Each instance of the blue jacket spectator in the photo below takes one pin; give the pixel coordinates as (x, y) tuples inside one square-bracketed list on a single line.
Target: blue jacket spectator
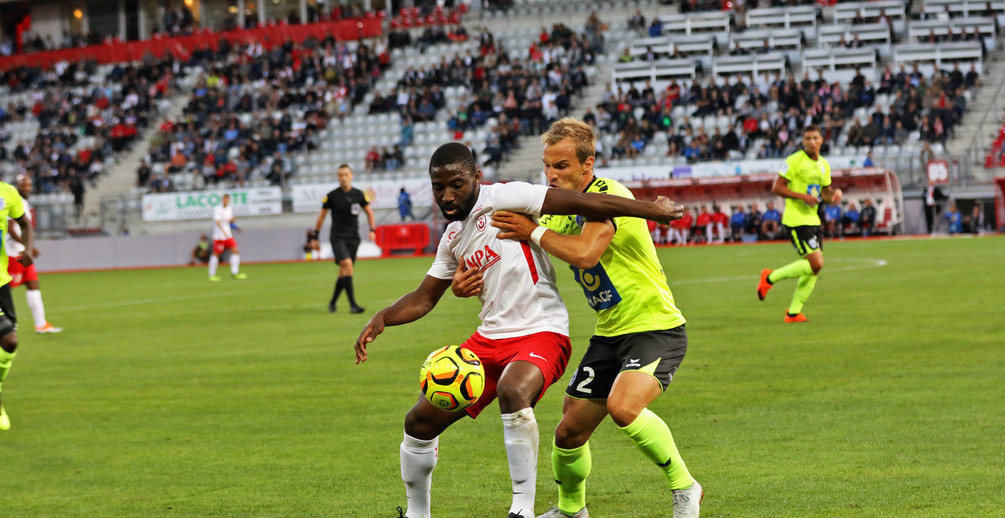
[(955, 219), (831, 219), (771, 222), (656, 28), (849, 222), (737, 222)]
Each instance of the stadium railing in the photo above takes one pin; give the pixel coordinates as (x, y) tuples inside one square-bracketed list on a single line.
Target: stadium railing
[(802, 17), (875, 35), (183, 46), (941, 55), (919, 30)]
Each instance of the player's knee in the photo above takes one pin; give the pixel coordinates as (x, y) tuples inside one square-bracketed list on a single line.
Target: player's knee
[(8, 341), (514, 396), (622, 412), (419, 426), (568, 435)]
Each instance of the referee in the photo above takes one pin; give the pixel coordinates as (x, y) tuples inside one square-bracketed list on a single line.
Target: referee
[(345, 204)]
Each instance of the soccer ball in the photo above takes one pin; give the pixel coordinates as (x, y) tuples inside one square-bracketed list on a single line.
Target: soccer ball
[(452, 378)]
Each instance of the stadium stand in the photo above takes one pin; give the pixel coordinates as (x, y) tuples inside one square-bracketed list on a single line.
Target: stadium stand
[(707, 86)]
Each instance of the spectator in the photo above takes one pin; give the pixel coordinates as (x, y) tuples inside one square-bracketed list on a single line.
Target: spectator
[(679, 229), (849, 221), (637, 22), (974, 223), (954, 219), (405, 205), (395, 159), (737, 223), (831, 219), (867, 218), (771, 222), (373, 160), (656, 28), (933, 197), (719, 223), (753, 220), (703, 226)]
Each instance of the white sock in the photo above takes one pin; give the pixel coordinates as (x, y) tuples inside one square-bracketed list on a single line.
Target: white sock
[(213, 262), (235, 264), (521, 436), (35, 305), (418, 458)]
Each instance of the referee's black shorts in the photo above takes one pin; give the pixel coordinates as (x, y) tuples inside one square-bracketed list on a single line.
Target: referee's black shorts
[(344, 247)]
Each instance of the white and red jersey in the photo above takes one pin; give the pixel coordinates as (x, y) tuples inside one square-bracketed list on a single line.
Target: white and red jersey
[(13, 247), (520, 295), (222, 217)]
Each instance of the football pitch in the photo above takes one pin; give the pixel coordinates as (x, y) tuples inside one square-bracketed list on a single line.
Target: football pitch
[(167, 395)]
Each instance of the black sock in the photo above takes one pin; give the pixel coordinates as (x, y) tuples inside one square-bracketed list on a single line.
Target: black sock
[(349, 292), (338, 289)]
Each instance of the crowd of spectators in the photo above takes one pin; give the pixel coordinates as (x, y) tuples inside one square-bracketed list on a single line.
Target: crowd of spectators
[(700, 225), (82, 126), (253, 110), (772, 110)]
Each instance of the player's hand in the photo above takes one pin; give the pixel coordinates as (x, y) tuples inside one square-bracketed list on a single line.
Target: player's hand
[(35, 253), (836, 196), (513, 226), (467, 282), (25, 259), (811, 200), (669, 209), (373, 328), (373, 236)]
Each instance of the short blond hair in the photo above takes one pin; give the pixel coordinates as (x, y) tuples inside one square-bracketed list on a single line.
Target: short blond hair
[(580, 132)]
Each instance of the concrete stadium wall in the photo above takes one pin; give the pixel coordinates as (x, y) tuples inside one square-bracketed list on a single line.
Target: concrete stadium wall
[(101, 253)]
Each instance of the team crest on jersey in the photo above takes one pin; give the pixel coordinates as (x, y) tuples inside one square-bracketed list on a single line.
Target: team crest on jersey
[(598, 288), (355, 209), (481, 223)]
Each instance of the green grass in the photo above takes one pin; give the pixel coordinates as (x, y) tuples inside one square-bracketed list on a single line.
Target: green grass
[(171, 396)]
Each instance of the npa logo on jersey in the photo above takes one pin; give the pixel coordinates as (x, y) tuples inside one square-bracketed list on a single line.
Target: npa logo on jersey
[(482, 259), (598, 288)]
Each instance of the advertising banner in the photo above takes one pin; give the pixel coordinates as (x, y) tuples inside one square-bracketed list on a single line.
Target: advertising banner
[(262, 201), (383, 194)]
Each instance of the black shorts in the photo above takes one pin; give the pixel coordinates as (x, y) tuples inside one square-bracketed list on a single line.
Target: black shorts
[(344, 247), (8, 318), (657, 353), (806, 238)]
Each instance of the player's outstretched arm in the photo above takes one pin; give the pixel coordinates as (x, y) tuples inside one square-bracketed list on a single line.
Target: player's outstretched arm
[(602, 206), (582, 251), (409, 308)]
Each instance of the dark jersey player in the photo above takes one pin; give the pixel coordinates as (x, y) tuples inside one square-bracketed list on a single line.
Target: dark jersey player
[(345, 203)]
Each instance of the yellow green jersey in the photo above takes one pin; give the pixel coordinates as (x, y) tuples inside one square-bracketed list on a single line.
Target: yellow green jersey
[(808, 176), (11, 206), (627, 288)]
